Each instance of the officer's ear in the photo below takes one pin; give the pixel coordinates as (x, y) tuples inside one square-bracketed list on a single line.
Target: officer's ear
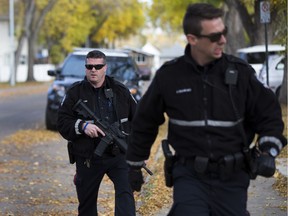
[(192, 39)]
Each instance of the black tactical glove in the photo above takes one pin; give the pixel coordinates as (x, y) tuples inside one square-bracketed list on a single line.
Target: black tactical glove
[(135, 178), (265, 165)]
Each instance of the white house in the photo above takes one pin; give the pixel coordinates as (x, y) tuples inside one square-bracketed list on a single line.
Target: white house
[(40, 70), (4, 49)]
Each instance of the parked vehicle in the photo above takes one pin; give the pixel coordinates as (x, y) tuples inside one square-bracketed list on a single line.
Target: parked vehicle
[(256, 55), (275, 73), (120, 66)]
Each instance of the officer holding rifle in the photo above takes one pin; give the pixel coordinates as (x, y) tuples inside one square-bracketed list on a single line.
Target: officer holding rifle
[(112, 103)]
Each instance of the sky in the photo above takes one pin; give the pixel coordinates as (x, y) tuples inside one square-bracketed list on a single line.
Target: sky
[(148, 1)]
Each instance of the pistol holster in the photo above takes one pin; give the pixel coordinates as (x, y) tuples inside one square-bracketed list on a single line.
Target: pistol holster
[(70, 154)]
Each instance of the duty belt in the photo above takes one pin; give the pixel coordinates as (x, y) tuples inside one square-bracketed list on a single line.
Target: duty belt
[(223, 167)]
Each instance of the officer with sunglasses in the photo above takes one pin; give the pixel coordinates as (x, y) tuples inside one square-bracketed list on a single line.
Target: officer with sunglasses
[(215, 105), (111, 102)]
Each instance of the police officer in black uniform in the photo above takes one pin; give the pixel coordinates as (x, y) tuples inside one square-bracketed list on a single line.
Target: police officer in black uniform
[(215, 105), (112, 102)]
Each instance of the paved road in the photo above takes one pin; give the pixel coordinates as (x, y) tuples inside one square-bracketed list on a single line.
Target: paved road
[(22, 113), (25, 109)]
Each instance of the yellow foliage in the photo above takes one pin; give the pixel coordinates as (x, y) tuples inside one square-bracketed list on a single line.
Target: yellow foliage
[(25, 138)]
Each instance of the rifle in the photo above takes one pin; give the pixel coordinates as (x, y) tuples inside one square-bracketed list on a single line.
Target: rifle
[(113, 135)]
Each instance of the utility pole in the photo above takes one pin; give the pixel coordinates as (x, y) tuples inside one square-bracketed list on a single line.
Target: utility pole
[(12, 55)]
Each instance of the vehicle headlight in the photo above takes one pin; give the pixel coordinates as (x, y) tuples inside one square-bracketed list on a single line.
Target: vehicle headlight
[(60, 90), (133, 91)]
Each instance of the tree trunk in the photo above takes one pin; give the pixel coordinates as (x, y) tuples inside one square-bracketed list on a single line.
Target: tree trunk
[(19, 49), (235, 37), (31, 9), (252, 25), (31, 54), (34, 29)]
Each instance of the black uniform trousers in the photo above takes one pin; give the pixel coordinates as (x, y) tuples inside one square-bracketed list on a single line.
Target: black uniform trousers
[(208, 195), (88, 181)]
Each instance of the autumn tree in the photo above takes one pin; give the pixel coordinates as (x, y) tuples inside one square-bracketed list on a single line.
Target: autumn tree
[(93, 23), (60, 25), (239, 14), (122, 21), (66, 26)]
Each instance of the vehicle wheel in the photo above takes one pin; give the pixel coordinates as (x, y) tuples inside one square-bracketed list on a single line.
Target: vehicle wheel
[(48, 123)]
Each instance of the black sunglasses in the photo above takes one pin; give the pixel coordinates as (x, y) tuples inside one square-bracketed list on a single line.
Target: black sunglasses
[(96, 66), (214, 37)]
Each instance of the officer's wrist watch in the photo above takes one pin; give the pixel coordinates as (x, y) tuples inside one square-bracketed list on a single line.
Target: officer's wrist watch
[(273, 152)]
